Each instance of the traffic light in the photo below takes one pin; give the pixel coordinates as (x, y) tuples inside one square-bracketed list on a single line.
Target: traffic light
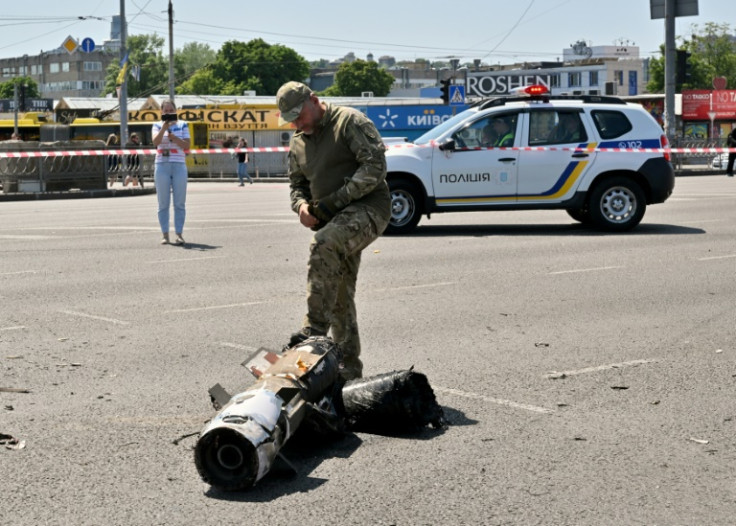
[(445, 90), (682, 68)]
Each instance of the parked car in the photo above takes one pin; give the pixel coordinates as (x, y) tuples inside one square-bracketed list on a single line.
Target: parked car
[(535, 151)]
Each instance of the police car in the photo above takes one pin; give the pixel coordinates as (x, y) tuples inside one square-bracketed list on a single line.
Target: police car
[(533, 150)]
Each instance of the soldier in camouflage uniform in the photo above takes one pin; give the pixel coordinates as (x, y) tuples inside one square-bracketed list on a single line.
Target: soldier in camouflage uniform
[(337, 175)]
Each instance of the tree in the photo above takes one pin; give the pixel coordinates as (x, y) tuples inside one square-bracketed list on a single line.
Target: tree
[(257, 66), (192, 57), (713, 54), (353, 78), (6, 88), (203, 82), (145, 52)]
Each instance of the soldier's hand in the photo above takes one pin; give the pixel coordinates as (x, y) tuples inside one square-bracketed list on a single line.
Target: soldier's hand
[(306, 218)]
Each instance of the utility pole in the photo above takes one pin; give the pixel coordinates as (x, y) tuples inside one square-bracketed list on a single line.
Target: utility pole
[(669, 10), (123, 102), (669, 69), (171, 51), (15, 104)]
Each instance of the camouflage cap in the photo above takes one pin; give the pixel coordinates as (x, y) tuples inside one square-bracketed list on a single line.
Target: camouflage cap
[(290, 98)]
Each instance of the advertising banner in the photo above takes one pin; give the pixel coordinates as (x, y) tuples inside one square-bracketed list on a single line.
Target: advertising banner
[(697, 104)]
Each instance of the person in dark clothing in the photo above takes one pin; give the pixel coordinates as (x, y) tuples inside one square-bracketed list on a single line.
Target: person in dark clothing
[(731, 142)]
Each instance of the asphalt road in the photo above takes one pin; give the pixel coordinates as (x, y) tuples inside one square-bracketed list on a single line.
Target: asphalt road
[(588, 378)]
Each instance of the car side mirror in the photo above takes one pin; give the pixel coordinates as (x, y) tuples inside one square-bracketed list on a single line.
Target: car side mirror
[(448, 145)]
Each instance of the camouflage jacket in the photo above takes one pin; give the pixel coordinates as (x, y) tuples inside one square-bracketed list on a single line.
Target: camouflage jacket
[(343, 160)]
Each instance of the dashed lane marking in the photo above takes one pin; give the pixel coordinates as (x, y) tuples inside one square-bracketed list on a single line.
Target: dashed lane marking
[(594, 269), (239, 347), (92, 317), (215, 307), (562, 374), (18, 272), (710, 258), (16, 328), (499, 401), (176, 260), (426, 285)]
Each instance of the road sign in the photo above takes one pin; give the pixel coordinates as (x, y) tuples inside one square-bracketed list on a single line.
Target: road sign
[(682, 8), (70, 44), (88, 45), (457, 95)]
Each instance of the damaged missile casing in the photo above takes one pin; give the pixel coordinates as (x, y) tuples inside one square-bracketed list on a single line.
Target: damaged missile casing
[(240, 444)]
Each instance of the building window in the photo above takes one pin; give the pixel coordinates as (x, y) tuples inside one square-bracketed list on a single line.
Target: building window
[(36, 69), (574, 79), (93, 66), (65, 66), (6, 72), (554, 81), (97, 85), (619, 77), (54, 67), (593, 78)]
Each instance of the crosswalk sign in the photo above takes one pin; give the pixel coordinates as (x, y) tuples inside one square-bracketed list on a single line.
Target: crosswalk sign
[(457, 95)]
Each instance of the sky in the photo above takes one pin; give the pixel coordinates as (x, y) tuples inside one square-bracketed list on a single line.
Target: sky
[(496, 32)]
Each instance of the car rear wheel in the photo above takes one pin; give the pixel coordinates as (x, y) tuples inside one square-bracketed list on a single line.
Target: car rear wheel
[(617, 204), (405, 207)]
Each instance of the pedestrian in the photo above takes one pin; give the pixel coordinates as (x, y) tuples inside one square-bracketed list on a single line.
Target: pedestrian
[(243, 162), (133, 162), (731, 142), (112, 159), (171, 139), (337, 177)]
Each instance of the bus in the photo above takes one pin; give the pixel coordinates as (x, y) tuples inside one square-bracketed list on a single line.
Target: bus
[(29, 127)]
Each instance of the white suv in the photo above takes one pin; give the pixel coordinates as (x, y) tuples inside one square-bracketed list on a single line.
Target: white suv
[(535, 151)]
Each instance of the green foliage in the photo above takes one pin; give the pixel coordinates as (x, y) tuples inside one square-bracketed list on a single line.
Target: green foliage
[(256, 66), (192, 57), (6, 88), (145, 51), (353, 78), (203, 82), (713, 54)]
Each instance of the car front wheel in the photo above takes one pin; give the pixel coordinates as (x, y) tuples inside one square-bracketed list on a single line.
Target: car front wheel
[(617, 204), (405, 208)]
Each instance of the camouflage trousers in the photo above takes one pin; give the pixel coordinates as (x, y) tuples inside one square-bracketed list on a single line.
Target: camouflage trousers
[(334, 260)]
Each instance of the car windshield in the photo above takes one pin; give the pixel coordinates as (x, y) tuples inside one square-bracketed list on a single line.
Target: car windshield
[(440, 129)]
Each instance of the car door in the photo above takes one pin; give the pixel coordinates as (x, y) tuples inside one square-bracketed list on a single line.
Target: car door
[(553, 169), (474, 173)]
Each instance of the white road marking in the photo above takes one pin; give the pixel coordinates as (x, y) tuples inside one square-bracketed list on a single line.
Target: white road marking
[(563, 374), (18, 272), (239, 347), (8, 236), (101, 318), (717, 257), (17, 327), (185, 259), (583, 270), (426, 285), (264, 220), (498, 401), (215, 307)]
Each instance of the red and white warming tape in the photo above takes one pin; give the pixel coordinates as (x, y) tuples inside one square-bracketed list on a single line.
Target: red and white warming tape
[(284, 149)]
